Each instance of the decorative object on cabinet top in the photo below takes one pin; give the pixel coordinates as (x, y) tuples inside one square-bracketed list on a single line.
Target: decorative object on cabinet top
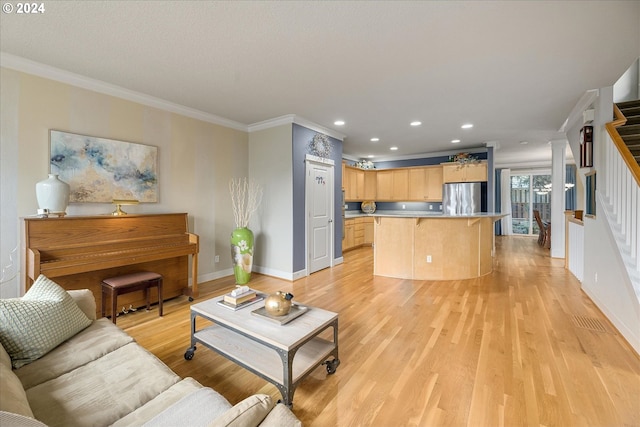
[(364, 164), (368, 206), (464, 158)]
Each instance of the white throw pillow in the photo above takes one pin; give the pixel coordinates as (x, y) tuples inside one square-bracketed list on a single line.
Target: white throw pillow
[(38, 322)]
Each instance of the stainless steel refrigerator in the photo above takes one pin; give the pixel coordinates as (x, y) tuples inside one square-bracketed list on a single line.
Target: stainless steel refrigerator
[(461, 198)]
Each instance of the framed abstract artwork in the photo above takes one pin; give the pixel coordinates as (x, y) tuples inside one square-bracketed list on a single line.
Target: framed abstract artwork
[(99, 170)]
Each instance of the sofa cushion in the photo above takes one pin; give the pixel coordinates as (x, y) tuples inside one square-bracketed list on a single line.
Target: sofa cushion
[(161, 402), (4, 357), (33, 325), (199, 408), (102, 391), (281, 416), (250, 412), (86, 302), (100, 338), (13, 398), (15, 420)]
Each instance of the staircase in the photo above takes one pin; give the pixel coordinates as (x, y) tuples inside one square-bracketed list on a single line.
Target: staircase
[(619, 197), (630, 131)]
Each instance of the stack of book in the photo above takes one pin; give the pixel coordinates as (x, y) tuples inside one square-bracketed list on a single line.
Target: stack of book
[(240, 297)]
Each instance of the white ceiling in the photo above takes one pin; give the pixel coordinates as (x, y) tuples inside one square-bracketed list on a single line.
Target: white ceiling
[(515, 69)]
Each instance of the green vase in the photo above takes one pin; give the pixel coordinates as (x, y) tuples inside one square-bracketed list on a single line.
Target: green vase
[(242, 254)]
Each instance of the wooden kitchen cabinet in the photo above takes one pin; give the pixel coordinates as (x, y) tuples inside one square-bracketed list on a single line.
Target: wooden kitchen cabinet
[(349, 229), (368, 231), (455, 172), (370, 187), (384, 182), (400, 185), (425, 184), (358, 232), (393, 185), (434, 183), (359, 184)]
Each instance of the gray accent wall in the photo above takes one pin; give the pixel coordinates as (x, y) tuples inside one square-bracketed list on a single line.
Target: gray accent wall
[(300, 148)]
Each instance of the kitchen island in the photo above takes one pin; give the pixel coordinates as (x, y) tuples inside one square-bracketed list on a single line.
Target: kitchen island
[(433, 246)]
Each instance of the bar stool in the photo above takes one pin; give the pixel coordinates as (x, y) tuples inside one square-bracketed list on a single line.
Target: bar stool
[(119, 285)]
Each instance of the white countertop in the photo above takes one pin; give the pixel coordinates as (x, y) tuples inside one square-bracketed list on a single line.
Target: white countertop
[(420, 214)]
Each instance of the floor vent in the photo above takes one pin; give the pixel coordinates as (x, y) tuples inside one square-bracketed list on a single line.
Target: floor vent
[(590, 323)]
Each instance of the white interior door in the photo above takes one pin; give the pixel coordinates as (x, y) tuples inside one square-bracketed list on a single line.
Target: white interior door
[(319, 198)]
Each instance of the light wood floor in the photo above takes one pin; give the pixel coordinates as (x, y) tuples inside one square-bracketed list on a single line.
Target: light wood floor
[(523, 346)]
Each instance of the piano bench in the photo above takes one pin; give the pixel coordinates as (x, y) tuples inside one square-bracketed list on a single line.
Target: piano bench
[(124, 284)]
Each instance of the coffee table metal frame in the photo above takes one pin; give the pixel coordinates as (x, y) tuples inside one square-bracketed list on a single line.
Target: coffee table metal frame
[(256, 344)]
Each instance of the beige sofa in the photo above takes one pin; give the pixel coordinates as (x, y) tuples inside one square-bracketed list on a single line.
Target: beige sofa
[(101, 377)]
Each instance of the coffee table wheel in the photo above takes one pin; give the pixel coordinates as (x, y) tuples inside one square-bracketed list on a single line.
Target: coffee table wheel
[(188, 355), (190, 299), (332, 365)]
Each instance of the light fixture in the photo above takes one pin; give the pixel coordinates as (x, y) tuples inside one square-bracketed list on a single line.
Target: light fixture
[(122, 202), (455, 141), (375, 139), (467, 126), (339, 123), (370, 156), (393, 148), (415, 123)]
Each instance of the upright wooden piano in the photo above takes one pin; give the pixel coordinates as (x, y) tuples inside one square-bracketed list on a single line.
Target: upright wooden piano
[(77, 252)]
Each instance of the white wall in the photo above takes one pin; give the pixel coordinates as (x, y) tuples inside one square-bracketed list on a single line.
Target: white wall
[(270, 164), (196, 159), (605, 279)]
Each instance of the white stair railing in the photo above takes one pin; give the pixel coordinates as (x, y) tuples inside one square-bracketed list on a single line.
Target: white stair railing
[(620, 202)]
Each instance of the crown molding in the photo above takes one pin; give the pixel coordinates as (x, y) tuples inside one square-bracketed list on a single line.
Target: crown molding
[(583, 103), (28, 66), (290, 119)]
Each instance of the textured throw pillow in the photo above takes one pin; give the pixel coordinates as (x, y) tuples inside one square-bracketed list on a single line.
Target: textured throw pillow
[(250, 412), (38, 322)]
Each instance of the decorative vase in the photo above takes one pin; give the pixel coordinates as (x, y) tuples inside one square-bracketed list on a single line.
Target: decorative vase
[(242, 254), (53, 194), (278, 304)]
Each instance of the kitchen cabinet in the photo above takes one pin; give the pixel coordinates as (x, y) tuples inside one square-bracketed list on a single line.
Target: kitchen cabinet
[(370, 187), (349, 229), (472, 172), (393, 185), (434, 183), (425, 184), (384, 182), (368, 231), (358, 232), (359, 184)]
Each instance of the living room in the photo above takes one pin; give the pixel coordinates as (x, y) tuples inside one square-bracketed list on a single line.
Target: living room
[(199, 152)]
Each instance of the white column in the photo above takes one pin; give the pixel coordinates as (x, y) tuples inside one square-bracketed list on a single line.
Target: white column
[(558, 162)]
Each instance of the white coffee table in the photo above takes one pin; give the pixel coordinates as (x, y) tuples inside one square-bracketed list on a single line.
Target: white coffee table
[(281, 354)]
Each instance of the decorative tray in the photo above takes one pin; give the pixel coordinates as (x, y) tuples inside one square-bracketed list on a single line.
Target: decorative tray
[(296, 311)]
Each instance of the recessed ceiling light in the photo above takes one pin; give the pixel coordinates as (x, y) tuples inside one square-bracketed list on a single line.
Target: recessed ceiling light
[(393, 148), (375, 139), (415, 123), (466, 126), (455, 141), (370, 156), (339, 123), (524, 142)]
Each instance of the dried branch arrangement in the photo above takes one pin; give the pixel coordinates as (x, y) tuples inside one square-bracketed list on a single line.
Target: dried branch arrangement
[(246, 196)]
